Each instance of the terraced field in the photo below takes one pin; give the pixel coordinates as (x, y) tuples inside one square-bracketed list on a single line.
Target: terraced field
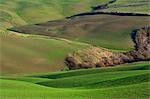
[(126, 81)]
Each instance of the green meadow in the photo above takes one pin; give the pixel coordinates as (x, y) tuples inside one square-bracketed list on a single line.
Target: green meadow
[(20, 12), (121, 82), (32, 66)]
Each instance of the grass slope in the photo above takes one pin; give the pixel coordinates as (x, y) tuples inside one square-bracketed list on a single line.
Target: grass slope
[(125, 67), (39, 54), (132, 6), (109, 31), (20, 12), (131, 83), (34, 54), (29, 54), (81, 81)]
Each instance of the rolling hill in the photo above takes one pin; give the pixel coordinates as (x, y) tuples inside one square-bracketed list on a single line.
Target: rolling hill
[(21, 12), (27, 60), (31, 54), (126, 81), (109, 31), (38, 53)]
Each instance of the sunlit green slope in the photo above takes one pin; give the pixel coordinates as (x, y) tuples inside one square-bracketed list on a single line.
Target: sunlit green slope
[(127, 81)]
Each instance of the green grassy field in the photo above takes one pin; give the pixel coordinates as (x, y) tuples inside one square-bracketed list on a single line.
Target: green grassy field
[(27, 61), (125, 81), (133, 6), (38, 54), (34, 54), (21, 12)]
